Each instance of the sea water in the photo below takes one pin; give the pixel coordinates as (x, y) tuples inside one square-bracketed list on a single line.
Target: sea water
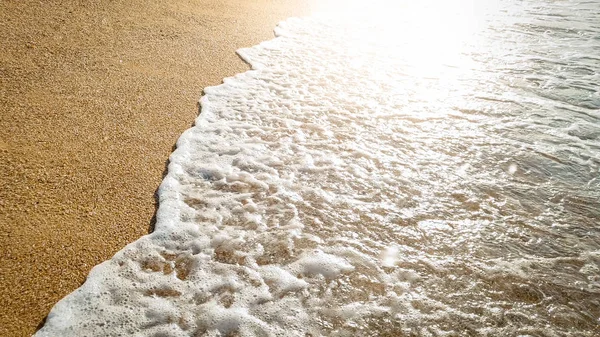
[(386, 169)]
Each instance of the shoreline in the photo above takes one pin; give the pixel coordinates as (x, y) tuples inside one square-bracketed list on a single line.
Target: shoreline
[(94, 97)]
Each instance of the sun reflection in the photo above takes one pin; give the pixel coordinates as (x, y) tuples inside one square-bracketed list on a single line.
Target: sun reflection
[(431, 37)]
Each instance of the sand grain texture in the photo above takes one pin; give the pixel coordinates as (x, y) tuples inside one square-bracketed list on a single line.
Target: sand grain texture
[(93, 96)]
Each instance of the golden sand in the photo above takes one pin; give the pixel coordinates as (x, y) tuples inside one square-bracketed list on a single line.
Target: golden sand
[(93, 96)]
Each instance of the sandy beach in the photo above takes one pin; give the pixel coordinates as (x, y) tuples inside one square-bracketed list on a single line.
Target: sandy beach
[(94, 96)]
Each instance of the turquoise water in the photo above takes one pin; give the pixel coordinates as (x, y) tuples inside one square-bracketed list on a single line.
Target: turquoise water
[(387, 169)]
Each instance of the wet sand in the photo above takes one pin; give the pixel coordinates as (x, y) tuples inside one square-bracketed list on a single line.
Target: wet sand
[(94, 95)]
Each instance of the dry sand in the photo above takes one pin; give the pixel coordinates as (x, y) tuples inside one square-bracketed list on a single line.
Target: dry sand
[(93, 96)]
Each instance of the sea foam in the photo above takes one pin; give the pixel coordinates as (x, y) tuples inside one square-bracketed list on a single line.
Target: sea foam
[(338, 189)]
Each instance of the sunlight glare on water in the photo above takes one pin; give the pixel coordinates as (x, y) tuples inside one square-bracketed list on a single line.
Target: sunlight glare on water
[(427, 35)]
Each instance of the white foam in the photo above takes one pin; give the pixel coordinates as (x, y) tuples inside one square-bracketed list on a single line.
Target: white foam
[(344, 187)]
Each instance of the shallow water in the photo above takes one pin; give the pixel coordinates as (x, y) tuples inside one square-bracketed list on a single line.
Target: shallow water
[(421, 171)]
